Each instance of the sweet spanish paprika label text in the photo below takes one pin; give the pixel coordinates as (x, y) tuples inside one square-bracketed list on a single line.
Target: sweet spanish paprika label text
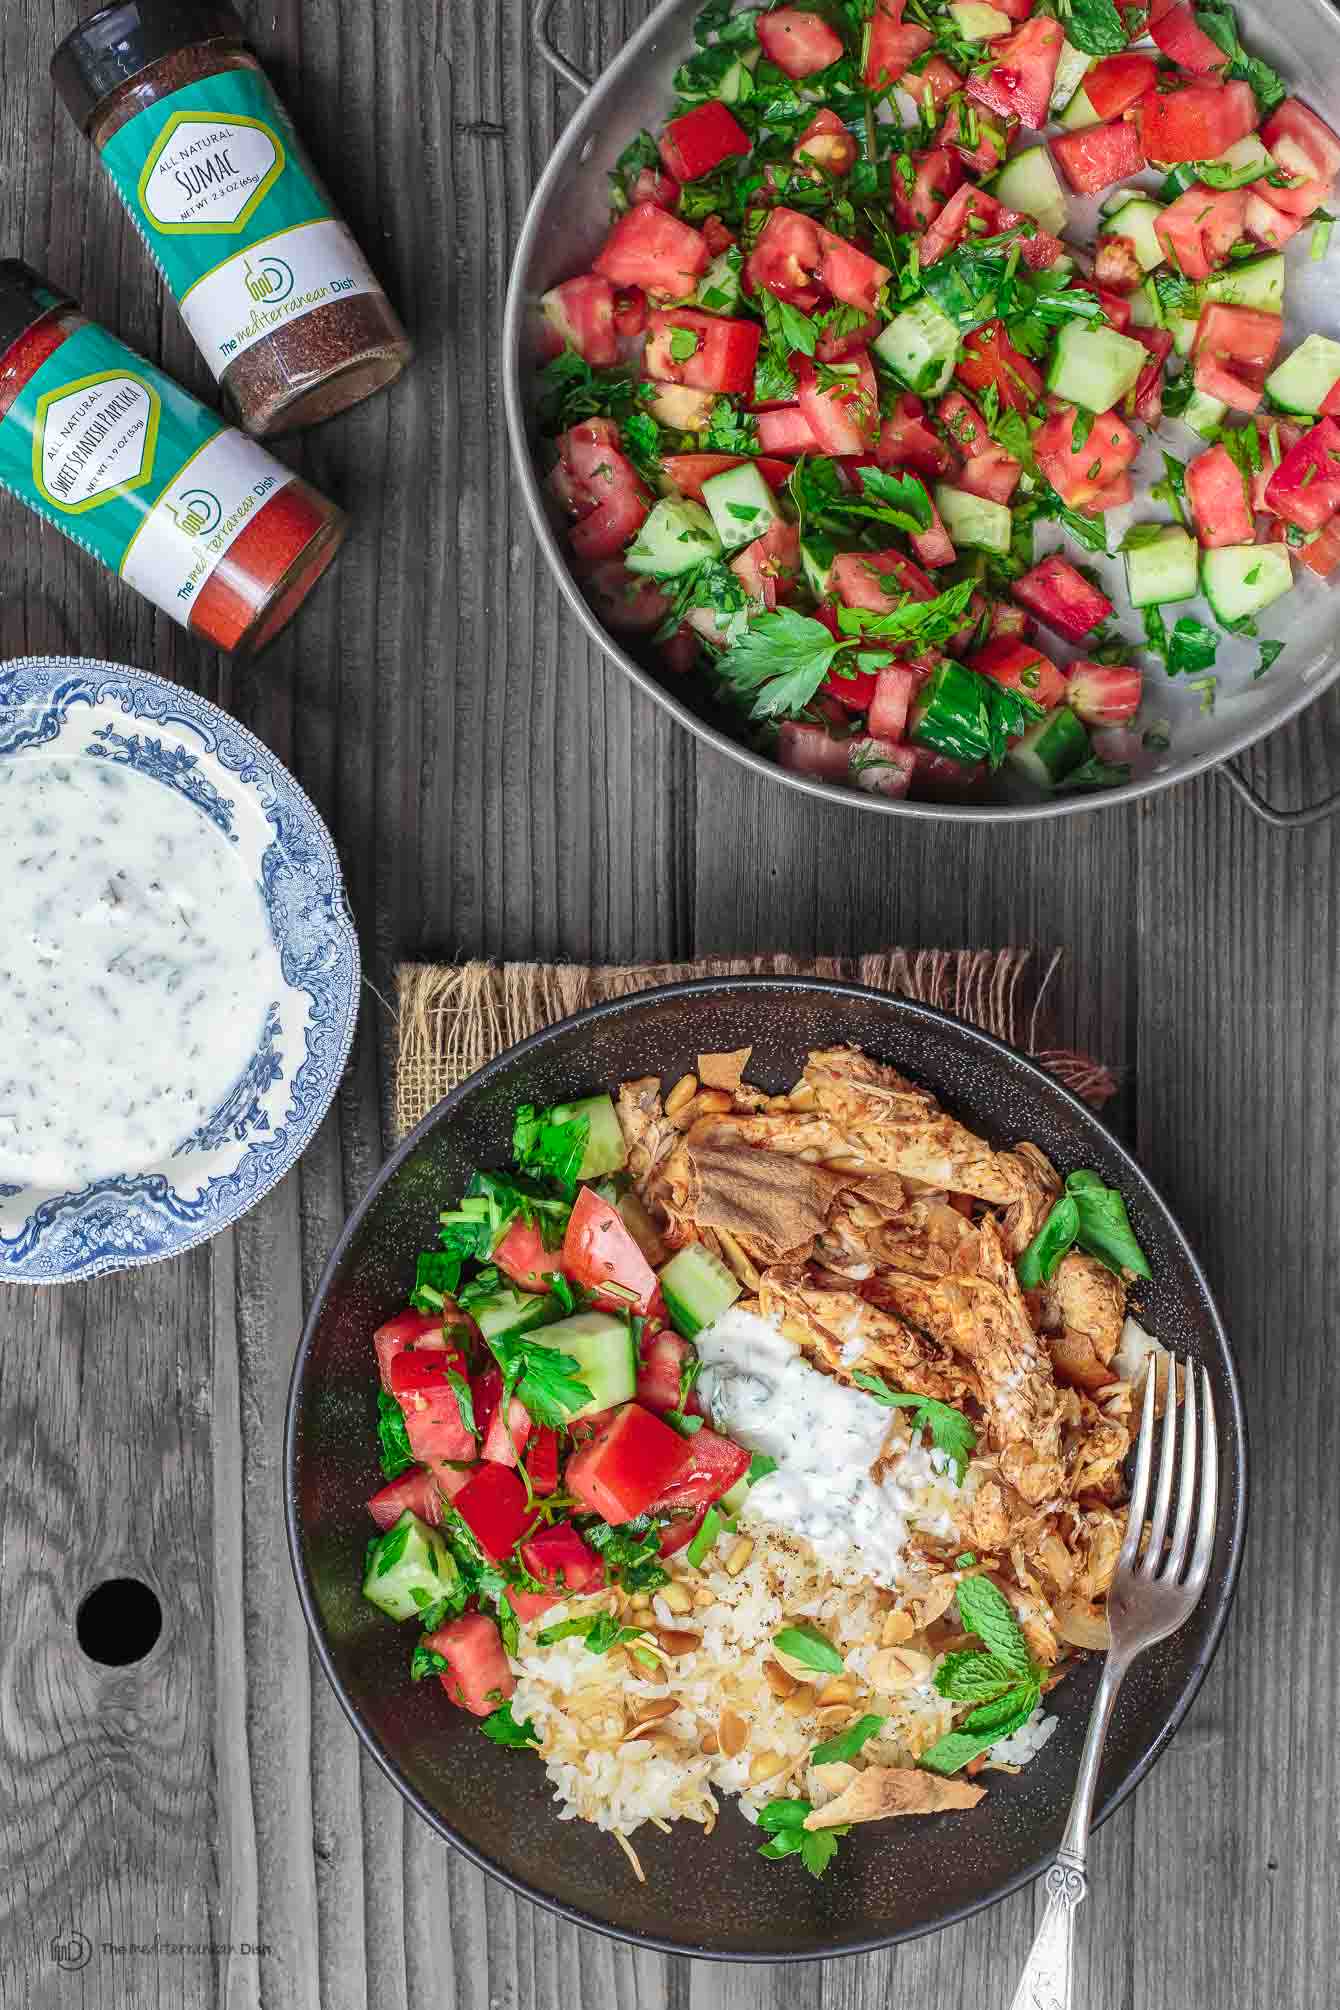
[(132, 468), (215, 181)]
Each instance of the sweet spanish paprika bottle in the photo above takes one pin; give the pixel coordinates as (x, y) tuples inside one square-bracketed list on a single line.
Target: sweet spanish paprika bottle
[(280, 300), (190, 512)]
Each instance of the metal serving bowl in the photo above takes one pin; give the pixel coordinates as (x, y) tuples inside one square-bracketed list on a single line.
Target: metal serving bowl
[(564, 227), (714, 1895)]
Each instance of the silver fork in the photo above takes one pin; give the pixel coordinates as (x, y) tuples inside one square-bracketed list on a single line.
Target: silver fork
[(1149, 1599)]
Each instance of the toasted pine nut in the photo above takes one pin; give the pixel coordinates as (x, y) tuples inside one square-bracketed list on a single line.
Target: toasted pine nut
[(739, 1556), (677, 1596), (842, 1689), (685, 1089), (766, 1767), (777, 1679), (898, 1668), (732, 1732), (897, 1627), (640, 1602), (676, 1641), (703, 1594), (800, 1704), (708, 1743), (652, 1713), (834, 1715)]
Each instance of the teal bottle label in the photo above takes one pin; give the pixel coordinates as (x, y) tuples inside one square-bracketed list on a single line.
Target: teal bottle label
[(132, 468), (218, 187)]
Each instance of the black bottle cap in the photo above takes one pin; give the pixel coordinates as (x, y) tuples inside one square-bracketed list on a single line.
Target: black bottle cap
[(25, 298), (120, 41)]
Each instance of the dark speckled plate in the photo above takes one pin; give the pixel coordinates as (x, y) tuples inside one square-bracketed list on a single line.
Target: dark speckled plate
[(714, 1896)]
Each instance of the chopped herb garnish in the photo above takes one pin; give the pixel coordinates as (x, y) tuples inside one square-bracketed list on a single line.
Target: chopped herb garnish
[(951, 1432)]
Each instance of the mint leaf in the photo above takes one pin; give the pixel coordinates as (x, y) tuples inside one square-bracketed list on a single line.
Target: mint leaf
[(502, 1729), (811, 1647), (1092, 25), (987, 1612), (982, 1728), (972, 1677), (951, 1432), (849, 1742)]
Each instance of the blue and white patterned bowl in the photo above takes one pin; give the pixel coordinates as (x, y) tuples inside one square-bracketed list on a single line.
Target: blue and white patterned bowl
[(102, 711)]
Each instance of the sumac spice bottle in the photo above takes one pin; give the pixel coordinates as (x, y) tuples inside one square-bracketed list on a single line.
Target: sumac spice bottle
[(193, 514), (279, 298)]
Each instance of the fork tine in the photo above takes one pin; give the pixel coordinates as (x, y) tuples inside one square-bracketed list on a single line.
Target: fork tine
[(1158, 1522), (1209, 1492), (1144, 1457), (1186, 1485)]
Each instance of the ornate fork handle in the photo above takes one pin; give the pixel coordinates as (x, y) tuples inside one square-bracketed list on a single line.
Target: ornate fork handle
[(1045, 1983)]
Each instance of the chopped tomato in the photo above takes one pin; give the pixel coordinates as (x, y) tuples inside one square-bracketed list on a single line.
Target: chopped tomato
[(786, 430), (486, 1394), (946, 780), (1196, 123), (1200, 228), (1115, 495), (628, 602), (786, 259), (722, 357), (542, 1459), (851, 688), (492, 1504), (827, 143), (598, 1252), (1144, 401), (1268, 225), (713, 1466), (660, 1371), (895, 689), (841, 347), (580, 313), (630, 312), (858, 580), (984, 153), (627, 1465), (989, 357), (598, 486), (679, 1533), (1176, 33), (1233, 349), (1323, 554), (1007, 619), (524, 1258), (767, 568), (970, 211), (1018, 666), (1104, 694), (810, 750), (881, 767), (891, 44), (1082, 474), (507, 1437), (843, 417), (414, 1490), (688, 472), (650, 248), (849, 273), (939, 172), (906, 441), (1095, 157), (477, 1675), (1299, 199), (432, 1415), (963, 422), (1113, 85), (1300, 140), (1019, 83), (935, 76), (796, 41), (396, 1334), (699, 140), (1305, 487), (1276, 436), (562, 1562), (653, 186), (933, 546), (992, 474), (1218, 498), (1115, 264), (1062, 598)]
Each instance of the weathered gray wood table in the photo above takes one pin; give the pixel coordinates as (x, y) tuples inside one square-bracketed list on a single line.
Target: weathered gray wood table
[(494, 789)]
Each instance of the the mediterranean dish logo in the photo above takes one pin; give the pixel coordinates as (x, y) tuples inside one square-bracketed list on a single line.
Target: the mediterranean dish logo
[(208, 174), (196, 513), (269, 281), (95, 439)]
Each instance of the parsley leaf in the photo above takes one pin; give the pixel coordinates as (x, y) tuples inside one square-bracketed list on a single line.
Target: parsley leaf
[(780, 661), (554, 1151), (641, 437), (501, 1728), (1191, 646), (545, 1379), (1269, 651), (571, 390), (396, 1456), (899, 500), (601, 1631), (426, 1661), (785, 1822), (951, 1432), (631, 1553), (436, 1276), (729, 430), (921, 621)]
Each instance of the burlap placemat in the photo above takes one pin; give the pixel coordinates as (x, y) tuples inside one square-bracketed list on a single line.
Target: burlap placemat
[(455, 1017)]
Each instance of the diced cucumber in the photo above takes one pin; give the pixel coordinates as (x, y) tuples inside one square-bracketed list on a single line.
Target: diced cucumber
[(1258, 282), (817, 553), (1028, 182), (606, 1355), (1307, 375), (1178, 180), (1072, 67), (1050, 748), (409, 1569), (1095, 367), (1242, 579), (605, 1151), (741, 505), (974, 520), (676, 536), (1203, 413), (1182, 328), (1117, 198), (978, 22), (1136, 219), (920, 346), (1079, 113), (1162, 571), (719, 288), (949, 711), (698, 1288), (1246, 160), (736, 84), (1142, 314), (508, 1311)]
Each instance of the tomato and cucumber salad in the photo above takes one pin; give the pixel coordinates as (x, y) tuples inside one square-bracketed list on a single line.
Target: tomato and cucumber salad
[(539, 1435), (849, 344)]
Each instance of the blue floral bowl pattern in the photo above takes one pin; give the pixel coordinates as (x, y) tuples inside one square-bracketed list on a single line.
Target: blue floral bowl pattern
[(102, 711)]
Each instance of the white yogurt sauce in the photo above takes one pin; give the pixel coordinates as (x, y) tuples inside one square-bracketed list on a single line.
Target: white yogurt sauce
[(824, 1436), (135, 976)]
